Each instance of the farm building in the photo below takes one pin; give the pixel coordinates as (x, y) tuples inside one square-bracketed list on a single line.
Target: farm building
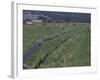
[(29, 18), (37, 21), (32, 21)]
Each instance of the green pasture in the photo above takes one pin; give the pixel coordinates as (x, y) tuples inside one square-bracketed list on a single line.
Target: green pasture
[(68, 50)]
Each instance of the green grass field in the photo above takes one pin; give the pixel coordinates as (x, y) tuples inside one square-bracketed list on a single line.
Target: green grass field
[(68, 50)]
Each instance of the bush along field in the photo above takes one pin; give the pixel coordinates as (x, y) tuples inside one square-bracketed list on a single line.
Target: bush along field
[(52, 45)]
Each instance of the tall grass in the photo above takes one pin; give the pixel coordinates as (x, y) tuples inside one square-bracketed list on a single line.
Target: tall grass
[(70, 49)]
